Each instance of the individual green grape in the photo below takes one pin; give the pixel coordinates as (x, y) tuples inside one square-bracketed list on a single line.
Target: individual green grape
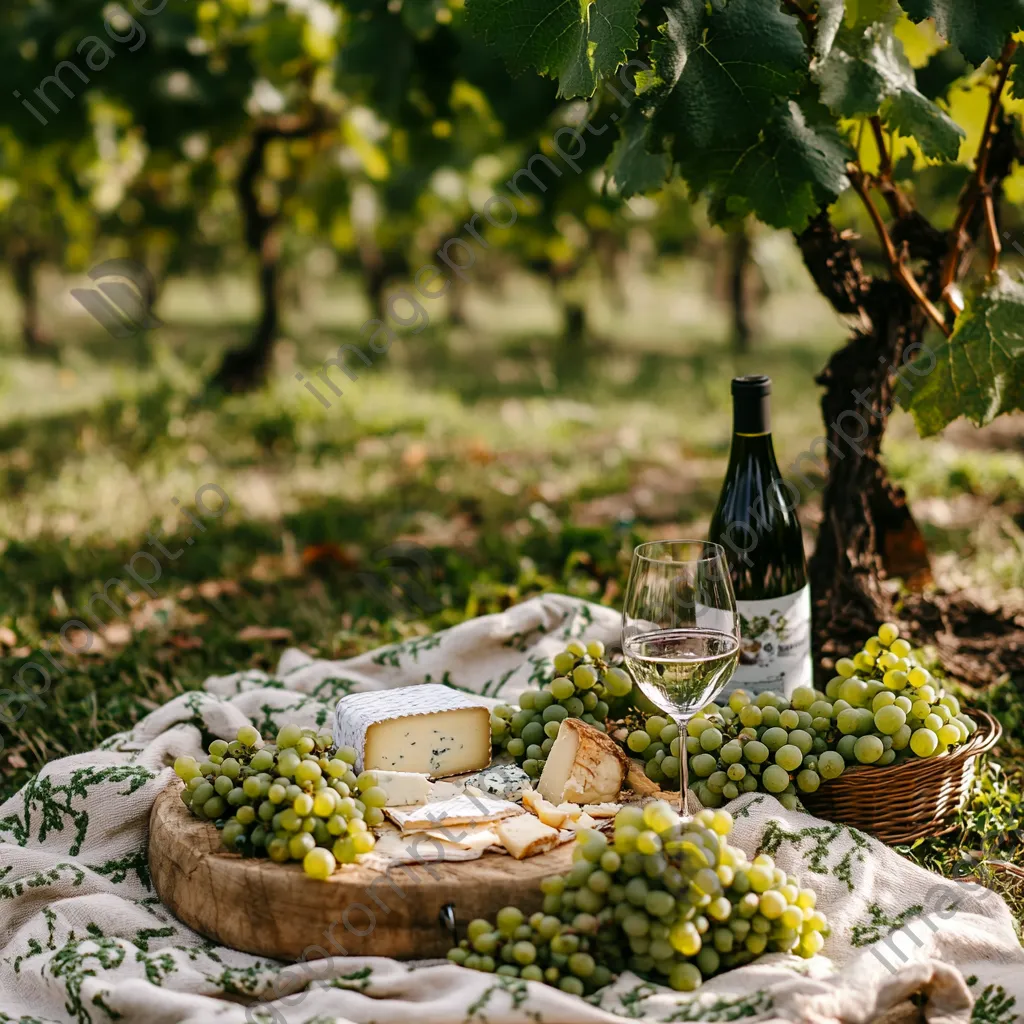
[(756, 752), (890, 719), (574, 706), (186, 768), (924, 742), (775, 779), (711, 739), (808, 781), (868, 749), (831, 764), (751, 716), (802, 740), (638, 741), (789, 757), (900, 647), (564, 662)]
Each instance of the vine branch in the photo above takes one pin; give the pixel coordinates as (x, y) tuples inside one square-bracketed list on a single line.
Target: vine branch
[(977, 187), (861, 183), (899, 205)]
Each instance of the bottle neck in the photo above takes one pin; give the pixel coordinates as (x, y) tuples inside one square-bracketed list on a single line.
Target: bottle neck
[(752, 416)]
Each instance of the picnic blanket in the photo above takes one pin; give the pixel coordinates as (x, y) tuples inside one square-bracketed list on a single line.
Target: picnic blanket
[(85, 940)]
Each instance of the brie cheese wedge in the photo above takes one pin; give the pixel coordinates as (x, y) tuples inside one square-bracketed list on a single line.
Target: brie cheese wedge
[(584, 766)]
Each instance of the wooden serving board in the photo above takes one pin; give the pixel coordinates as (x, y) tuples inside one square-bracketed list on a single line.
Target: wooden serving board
[(274, 910)]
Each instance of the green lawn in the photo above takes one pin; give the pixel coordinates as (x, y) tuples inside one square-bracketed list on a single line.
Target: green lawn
[(461, 439)]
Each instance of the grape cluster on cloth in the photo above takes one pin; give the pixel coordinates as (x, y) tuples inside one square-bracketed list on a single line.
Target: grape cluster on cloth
[(666, 898)]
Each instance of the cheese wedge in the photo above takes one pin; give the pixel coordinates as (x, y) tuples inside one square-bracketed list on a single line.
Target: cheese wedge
[(461, 810), (583, 821), (526, 835), (584, 766), (430, 729)]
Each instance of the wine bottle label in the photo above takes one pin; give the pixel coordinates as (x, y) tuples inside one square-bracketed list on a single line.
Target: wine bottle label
[(775, 644)]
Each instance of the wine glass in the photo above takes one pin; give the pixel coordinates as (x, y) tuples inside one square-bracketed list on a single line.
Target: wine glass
[(680, 630)]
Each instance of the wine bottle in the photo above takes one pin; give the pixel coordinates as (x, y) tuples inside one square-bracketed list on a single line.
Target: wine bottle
[(756, 523)]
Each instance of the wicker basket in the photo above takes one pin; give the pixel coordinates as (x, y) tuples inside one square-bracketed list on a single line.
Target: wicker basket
[(901, 803)]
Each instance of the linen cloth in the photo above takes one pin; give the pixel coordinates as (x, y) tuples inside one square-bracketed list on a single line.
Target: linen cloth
[(85, 940)]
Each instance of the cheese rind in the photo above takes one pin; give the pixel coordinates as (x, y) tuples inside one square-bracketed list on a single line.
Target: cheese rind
[(429, 729), (584, 766), (526, 835)]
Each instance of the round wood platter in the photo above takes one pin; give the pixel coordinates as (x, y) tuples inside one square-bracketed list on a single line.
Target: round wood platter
[(274, 910)]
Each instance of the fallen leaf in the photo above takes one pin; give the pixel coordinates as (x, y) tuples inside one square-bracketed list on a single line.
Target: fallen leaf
[(415, 455), (118, 633), (84, 641), (8, 638), (15, 760), (186, 643), (210, 590), (288, 564), (348, 556), (479, 452), (272, 633)]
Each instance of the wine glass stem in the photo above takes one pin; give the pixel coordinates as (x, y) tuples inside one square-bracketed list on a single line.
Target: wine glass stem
[(684, 769)]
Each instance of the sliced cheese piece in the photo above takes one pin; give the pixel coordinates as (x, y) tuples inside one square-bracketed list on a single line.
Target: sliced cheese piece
[(602, 810), (442, 790), (430, 729), (583, 821), (526, 835), (461, 810), (545, 810), (466, 837), (571, 811), (584, 766), (393, 847), (404, 788)]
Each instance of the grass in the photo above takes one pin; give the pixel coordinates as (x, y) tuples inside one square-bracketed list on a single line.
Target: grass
[(462, 440)]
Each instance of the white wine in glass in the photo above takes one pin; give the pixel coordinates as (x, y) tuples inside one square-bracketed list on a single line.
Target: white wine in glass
[(680, 630)]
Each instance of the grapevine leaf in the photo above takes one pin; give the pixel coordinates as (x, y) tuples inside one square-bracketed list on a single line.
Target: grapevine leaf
[(977, 28), (723, 72), (1017, 75), (867, 72), (576, 41), (797, 165), (978, 371), (631, 167)]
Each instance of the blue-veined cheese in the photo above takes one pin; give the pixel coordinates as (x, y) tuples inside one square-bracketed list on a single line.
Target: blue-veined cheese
[(431, 729), (507, 781)]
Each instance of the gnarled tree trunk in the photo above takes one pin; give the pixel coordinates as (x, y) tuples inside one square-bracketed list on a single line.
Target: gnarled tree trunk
[(24, 264), (246, 368), (866, 526)]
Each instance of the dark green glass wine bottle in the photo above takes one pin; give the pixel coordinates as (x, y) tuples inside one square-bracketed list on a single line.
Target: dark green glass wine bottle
[(756, 523)]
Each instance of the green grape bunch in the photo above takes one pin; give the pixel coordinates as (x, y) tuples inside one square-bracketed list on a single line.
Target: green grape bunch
[(881, 708), (297, 799), (655, 741), (670, 900), (584, 686)]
